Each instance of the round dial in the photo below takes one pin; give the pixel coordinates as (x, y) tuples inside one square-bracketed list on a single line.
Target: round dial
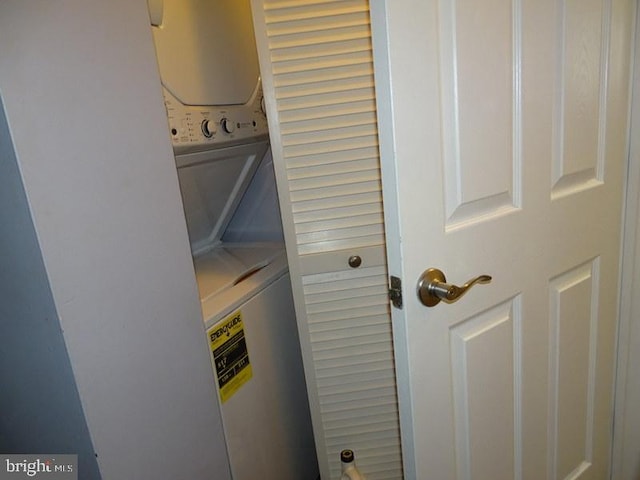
[(209, 128), (227, 125)]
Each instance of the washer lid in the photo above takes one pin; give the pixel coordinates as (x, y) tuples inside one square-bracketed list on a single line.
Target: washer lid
[(230, 275), (212, 184), (232, 264), (206, 50)]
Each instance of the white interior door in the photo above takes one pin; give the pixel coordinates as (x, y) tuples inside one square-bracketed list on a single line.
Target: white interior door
[(503, 130)]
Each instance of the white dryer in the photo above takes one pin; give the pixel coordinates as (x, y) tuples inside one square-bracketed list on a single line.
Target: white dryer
[(209, 70)]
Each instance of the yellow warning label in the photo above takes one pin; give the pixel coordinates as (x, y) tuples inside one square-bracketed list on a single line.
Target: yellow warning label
[(230, 355)]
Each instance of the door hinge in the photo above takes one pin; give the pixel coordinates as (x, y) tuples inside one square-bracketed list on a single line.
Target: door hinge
[(395, 291)]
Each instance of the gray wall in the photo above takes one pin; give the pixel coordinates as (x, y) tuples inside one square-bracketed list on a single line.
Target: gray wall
[(84, 107), (40, 410)]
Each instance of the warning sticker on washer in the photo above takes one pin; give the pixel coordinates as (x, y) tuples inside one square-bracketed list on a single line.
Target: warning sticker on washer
[(230, 355)]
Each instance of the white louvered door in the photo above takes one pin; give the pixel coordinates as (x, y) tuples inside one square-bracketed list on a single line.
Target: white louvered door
[(504, 129), (317, 74)]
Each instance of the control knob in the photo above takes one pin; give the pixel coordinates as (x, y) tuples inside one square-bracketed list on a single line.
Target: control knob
[(227, 125), (209, 128)]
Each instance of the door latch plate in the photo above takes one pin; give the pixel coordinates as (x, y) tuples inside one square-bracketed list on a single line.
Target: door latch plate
[(395, 291)]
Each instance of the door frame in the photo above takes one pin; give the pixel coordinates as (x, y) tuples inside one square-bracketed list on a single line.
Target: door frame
[(393, 244), (627, 388)]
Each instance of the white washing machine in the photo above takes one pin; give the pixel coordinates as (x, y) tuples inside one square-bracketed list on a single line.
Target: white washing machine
[(250, 322), (209, 70), (258, 368)]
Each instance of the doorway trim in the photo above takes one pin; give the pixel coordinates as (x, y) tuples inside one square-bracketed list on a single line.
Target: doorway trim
[(626, 422)]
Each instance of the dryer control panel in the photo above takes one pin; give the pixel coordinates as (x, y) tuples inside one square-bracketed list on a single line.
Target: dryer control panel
[(197, 128)]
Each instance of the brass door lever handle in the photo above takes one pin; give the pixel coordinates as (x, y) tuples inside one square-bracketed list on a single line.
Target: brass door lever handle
[(433, 287)]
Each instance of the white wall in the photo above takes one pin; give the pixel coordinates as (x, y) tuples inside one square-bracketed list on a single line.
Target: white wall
[(83, 103)]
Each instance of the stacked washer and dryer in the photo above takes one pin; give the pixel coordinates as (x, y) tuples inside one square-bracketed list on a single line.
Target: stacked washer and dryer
[(209, 69)]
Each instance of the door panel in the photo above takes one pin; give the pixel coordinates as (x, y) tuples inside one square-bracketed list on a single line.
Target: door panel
[(503, 138), (317, 73), (573, 331), (580, 102), (470, 65), (484, 378)]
